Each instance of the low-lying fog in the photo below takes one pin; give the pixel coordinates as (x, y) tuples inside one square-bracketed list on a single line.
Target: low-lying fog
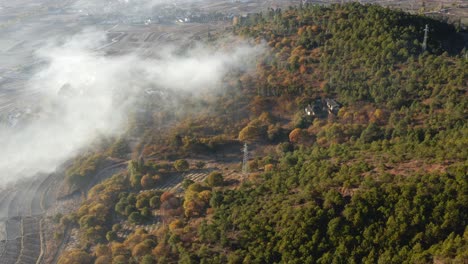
[(84, 94)]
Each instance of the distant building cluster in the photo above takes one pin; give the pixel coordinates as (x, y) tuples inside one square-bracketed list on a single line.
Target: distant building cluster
[(170, 13)]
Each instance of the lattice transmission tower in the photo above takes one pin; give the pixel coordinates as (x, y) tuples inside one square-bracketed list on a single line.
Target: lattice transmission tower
[(426, 33), (245, 161)]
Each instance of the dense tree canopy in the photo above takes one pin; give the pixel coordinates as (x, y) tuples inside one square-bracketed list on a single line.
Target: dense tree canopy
[(381, 180)]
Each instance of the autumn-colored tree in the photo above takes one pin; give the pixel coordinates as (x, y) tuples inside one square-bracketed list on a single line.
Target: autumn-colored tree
[(140, 250), (147, 259), (268, 167), (302, 69), (175, 224), (266, 118), (379, 116), (120, 259), (75, 256), (88, 221), (314, 28), (147, 181), (161, 249), (195, 188), (186, 183), (99, 211), (181, 165), (166, 196), (301, 31), (135, 179), (259, 105), (156, 178), (205, 196), (296, 135), (345, 115), (215, 179), (196, 199), (192, 207), (103, 260), (248, 133), (119, 249), (119, 149), (102, 250), (255, 130)]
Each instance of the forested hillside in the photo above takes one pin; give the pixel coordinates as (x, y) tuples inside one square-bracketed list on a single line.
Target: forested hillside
[(377, 174)]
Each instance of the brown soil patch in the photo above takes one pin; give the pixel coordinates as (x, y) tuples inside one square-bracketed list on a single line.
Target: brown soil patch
[(415, 166)]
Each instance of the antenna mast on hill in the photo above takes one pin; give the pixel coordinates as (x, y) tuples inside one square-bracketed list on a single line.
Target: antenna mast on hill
[(245, 167), (426, 31)]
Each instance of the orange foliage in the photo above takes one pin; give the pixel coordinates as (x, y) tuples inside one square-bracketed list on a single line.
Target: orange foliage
[(161, 249), (166, 196), (300, 31), (147, 181), (296, 135), (268, 167), (140, 250), (322, 84), (302, 69)]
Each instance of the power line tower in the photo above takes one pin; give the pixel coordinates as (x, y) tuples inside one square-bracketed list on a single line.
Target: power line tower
[(426, 32), (245, 166)]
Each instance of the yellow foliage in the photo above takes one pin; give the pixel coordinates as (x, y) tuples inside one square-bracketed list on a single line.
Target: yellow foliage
[(266, 118), (103, 260), (205, 196), (269, 167), (177, 223), (140, 250), (117, 248), (75, 256), (300, 31), (102, 250)]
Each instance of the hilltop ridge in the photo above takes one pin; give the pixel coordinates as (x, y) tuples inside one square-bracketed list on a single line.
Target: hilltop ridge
[(357, 152)]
